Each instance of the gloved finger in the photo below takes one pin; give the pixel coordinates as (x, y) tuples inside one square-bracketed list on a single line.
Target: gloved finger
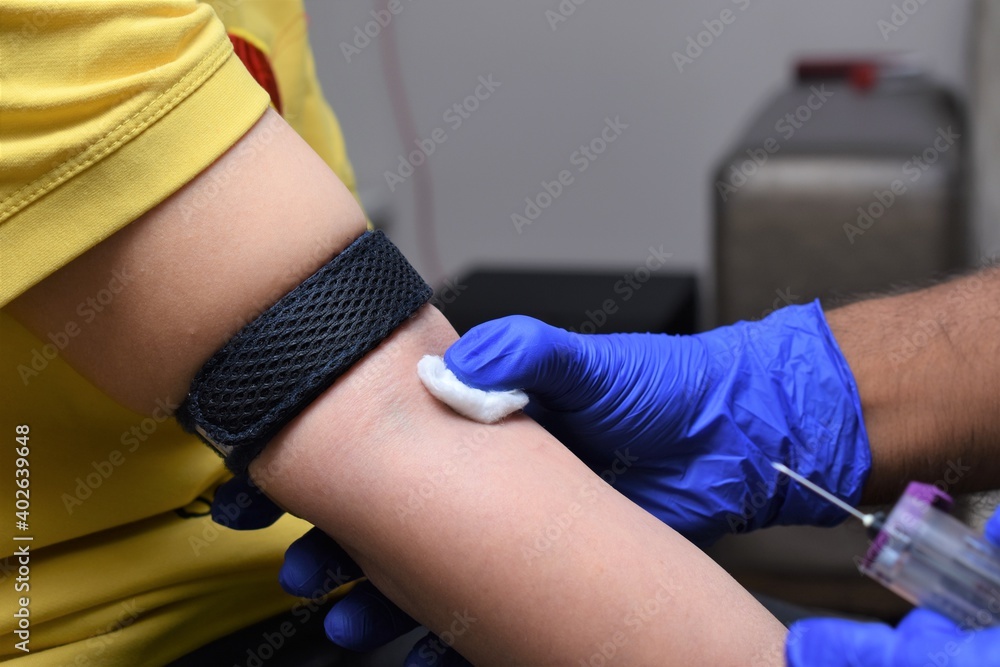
[(430, 651), (992, 530), (926, 622), (828, 642), (315, 565), (365, 619), (515, 352), (240, 505), (933, 639)]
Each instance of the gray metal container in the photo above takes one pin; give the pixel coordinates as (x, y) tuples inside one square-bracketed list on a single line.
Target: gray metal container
[(840, 188)]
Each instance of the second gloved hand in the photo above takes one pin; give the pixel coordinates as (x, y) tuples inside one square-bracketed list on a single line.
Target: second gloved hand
[(923, 639), (315, 565), (687, 426)]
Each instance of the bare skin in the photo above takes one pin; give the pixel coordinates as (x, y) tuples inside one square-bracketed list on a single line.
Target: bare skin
[(926, 364), (552, 564)]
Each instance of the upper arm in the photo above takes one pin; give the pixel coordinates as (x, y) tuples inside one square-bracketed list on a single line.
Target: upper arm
[(188, 274)]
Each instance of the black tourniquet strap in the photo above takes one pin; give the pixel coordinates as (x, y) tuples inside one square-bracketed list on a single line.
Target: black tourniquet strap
[(279, 363)]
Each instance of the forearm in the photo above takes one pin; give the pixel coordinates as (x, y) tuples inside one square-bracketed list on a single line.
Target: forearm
[(926, 364), (199, 267), (503, 523)]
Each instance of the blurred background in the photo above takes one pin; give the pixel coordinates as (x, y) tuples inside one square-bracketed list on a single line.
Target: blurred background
[(728, 157), (560, 78)]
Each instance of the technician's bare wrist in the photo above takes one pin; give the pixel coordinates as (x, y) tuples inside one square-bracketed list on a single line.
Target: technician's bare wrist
[(878, 390), (926, 367)]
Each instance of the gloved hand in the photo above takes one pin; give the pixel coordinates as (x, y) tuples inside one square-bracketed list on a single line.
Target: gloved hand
[(687, 426), (922, 638), (314, 565), (684, 425), (364, 619)]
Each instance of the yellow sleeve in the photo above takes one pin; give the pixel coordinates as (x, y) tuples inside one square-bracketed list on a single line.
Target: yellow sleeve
[(279, 30), (106, 108)]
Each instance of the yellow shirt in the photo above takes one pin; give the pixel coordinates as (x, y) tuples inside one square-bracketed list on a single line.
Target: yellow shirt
[(106, 108)]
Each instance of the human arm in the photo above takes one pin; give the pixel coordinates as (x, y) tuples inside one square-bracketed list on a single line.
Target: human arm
[(698, 420), (352, 460), (709, 411), (927, 364)]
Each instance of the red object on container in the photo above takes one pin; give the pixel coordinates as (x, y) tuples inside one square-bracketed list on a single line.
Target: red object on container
[(862, 74)]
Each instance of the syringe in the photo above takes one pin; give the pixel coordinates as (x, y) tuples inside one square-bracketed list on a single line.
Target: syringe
[(926, 556)]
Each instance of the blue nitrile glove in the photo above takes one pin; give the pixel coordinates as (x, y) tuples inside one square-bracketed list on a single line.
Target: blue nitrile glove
[(314, 565), (924, 638), (364, 619), (240, 505), (687, 426)]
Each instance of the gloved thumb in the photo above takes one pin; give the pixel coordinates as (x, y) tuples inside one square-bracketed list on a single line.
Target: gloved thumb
[(240, 505), (365, 619), (828, 642), (515, 352)]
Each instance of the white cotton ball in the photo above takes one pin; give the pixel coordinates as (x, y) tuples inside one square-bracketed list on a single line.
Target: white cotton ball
[(486, 407)]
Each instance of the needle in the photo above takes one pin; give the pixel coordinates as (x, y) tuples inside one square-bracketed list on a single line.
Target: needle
[(867, 519)]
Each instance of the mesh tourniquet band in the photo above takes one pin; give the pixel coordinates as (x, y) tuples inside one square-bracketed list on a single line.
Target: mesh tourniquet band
[(276, 365)]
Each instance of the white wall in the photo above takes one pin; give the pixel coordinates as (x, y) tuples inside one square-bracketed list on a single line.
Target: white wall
[(986, 116), (610, 58)]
